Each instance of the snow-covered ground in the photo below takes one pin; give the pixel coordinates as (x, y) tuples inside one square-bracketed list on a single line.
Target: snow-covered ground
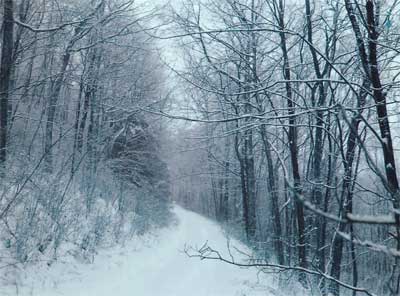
[(155, 266)]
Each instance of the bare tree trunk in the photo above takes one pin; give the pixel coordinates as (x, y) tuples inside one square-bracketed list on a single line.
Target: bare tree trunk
[(224, 187), (301, 240), (243, 182), (346, 202), (5, 74), (273, 190), (226, 212), (76, 126), (385, 131), (251, 184), (318, 148)]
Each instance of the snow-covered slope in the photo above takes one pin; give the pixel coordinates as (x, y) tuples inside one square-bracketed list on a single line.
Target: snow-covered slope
[(152, 267)]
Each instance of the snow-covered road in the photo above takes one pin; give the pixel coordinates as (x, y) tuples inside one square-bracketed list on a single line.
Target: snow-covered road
[(159, 268)]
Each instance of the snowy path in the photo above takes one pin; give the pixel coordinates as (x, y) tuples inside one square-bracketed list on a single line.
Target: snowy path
[(161, 269)]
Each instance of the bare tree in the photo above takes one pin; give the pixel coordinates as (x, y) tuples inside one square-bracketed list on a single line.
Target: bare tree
[(5, 74)]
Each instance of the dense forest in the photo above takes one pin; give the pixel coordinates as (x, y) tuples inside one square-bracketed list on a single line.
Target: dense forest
[(276, 119), (80, 164), (294, 149)]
